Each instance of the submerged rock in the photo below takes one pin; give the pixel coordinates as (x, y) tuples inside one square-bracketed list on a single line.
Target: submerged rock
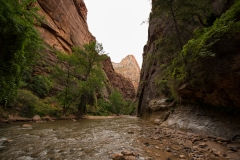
[(27, 126)]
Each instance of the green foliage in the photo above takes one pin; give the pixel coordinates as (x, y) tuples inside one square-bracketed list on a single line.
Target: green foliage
[(129, 108), (117, 101), (30, 105), (82, 76), (225, 27), (200, 42), (20, 43), (41, 85)]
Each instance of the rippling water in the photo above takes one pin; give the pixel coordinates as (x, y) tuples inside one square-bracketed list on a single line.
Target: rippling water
[(88, 139)]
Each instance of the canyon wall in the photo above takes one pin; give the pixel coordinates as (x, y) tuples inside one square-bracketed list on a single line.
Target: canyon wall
[(65, 26), (118, 81), (65, 23), (207, 101), (129, 68)]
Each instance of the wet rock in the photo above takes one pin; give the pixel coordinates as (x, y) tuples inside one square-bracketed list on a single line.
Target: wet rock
[(236, 138), (8, 141), (5, 121), (217, 153), (146, 144), (47, 118), (233, 149), (221, 139), (27, 126), (74, 120), (168, 149), (127, 153), (118, 156), (130, 158), (157, 121), (2, 141), (182, 156), (196, 139), (36, 118), (130, 132), (202, 145)]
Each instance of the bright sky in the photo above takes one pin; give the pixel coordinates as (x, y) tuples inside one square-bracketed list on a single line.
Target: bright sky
[(117, 25)]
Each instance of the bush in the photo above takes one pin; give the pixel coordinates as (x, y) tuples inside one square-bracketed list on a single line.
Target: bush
[(104, 108), (117, 101), (41, 85), (30, 105), (129, 108)]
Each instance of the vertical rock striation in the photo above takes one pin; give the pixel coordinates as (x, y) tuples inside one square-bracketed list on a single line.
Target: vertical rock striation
[(128, 68), (209, 99), (65, 23)]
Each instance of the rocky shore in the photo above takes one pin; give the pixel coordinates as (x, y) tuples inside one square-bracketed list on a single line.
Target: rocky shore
[(169, 144)]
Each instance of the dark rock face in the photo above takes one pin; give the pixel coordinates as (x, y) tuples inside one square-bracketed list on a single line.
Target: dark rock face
[(122, 84), (147, 89), (214, 82), (219, 81)]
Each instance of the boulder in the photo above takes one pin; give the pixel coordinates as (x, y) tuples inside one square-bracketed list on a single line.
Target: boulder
[(36, 118), (118, 156)]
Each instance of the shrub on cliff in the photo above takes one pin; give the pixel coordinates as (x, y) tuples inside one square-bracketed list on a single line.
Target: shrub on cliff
[(41, 85)]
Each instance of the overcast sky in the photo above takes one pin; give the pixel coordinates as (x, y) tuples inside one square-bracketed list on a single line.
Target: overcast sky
[(117, 25)]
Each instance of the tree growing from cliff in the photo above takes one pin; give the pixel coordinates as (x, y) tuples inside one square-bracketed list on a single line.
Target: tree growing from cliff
[(82, 76), (19, 41)]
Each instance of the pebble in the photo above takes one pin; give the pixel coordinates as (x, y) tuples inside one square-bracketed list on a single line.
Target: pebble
[(202, 145), (168, 149), (181, 156)]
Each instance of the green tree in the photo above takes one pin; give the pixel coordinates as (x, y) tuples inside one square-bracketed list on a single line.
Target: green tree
[(90, 59), (82, 76), (117, 101), (19, 41)]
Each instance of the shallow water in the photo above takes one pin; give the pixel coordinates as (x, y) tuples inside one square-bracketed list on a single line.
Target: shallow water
[(87, 139)]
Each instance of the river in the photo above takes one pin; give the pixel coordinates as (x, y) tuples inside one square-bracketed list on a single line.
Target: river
[(87, 139), (99, 139)]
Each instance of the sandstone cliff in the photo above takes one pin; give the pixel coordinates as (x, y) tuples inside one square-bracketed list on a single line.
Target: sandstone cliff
[(66, 26), (65, 23), (208, 100), (129, 68), (119, 82)]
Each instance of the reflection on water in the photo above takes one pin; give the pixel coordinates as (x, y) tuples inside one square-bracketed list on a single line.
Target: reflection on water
[(86, 139)]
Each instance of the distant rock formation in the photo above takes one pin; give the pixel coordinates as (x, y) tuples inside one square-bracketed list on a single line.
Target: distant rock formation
[(129, 69), (119, 82)]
